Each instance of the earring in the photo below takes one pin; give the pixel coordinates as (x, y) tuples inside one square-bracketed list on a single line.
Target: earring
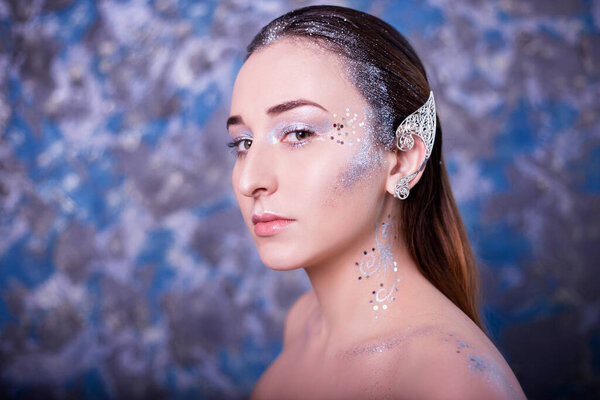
[(402, 190), (421, 123)]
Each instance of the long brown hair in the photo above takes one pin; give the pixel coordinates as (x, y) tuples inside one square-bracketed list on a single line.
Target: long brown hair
[(389, 74)]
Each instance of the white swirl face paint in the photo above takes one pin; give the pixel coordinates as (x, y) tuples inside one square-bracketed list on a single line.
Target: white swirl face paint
[(378, 267)]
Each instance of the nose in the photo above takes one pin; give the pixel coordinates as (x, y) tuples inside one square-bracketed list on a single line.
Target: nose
[(257, 172)]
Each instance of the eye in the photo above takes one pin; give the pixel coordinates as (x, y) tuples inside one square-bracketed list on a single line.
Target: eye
[(244, 144), (299, 135), (240, 145)]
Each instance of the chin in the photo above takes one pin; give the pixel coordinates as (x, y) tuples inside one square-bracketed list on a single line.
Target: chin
[(280, 258), (278, 263)]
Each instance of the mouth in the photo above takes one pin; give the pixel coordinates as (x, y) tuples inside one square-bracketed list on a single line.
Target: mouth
[(268, 224)]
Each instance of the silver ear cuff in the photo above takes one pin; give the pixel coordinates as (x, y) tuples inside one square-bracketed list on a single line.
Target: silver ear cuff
[(421, 123)]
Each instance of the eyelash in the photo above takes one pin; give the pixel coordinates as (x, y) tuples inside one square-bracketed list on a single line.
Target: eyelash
[(235, 143), (301, 142)]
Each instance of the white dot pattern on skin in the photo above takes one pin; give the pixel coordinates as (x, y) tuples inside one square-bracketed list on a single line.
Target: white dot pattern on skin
[(377, 260), (344, 133)]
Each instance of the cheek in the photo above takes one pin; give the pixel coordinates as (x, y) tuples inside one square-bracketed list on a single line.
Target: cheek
[(311, 178), (362, 167)]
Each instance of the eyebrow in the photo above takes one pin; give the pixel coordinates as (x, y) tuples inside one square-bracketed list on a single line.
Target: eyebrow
[(234, 120), (278, 109)]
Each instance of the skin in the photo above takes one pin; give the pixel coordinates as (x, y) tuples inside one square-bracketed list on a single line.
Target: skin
[(335, 344)]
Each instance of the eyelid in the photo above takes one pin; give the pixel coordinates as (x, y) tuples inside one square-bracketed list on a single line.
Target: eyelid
[(298, 127), (236, 141), (288, 133)]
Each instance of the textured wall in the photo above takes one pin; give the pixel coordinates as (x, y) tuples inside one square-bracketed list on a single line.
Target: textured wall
[(125, 269)]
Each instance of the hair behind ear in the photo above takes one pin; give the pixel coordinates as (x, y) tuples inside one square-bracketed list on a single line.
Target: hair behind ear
[(436, 238)]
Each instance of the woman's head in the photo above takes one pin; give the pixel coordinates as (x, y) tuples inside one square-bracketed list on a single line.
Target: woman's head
[(306, 152), (377, 59), (360, 63)]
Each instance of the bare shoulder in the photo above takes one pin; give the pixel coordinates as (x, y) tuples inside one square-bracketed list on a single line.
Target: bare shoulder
[(454, 364)]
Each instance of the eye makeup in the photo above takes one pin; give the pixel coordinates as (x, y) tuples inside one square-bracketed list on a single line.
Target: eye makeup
[(292, 132), (297, 133), (244, 139), (344, 128)]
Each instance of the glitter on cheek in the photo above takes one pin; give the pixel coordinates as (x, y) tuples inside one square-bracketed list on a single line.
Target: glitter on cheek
[(365, 158), (361, 165)]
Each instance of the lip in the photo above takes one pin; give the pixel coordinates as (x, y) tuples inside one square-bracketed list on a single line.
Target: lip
[(268, 224)]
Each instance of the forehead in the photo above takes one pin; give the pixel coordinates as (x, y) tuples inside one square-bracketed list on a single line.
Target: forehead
[(291, 69)]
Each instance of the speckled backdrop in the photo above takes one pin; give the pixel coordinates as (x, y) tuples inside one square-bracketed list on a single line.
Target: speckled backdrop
[(125, 270)]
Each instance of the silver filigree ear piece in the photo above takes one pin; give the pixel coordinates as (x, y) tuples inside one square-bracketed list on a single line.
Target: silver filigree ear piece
[(421, 123)]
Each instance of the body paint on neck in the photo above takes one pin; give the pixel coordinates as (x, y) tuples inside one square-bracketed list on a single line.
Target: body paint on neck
[(378, 267)]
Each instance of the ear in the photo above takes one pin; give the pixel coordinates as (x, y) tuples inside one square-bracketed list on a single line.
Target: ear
[(403, 163)]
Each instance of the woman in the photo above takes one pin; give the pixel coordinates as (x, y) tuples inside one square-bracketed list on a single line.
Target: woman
[(339, 171)]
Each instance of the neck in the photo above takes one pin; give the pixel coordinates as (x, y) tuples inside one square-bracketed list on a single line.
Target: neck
[(363, 288)]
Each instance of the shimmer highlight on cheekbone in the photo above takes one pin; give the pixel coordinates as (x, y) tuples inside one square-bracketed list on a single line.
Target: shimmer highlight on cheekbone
[(366, 160)]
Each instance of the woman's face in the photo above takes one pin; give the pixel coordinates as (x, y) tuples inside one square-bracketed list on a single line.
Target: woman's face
[(308, 177)]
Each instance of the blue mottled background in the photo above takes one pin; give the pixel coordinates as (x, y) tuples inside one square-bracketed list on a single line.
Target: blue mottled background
[(125, 269)]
